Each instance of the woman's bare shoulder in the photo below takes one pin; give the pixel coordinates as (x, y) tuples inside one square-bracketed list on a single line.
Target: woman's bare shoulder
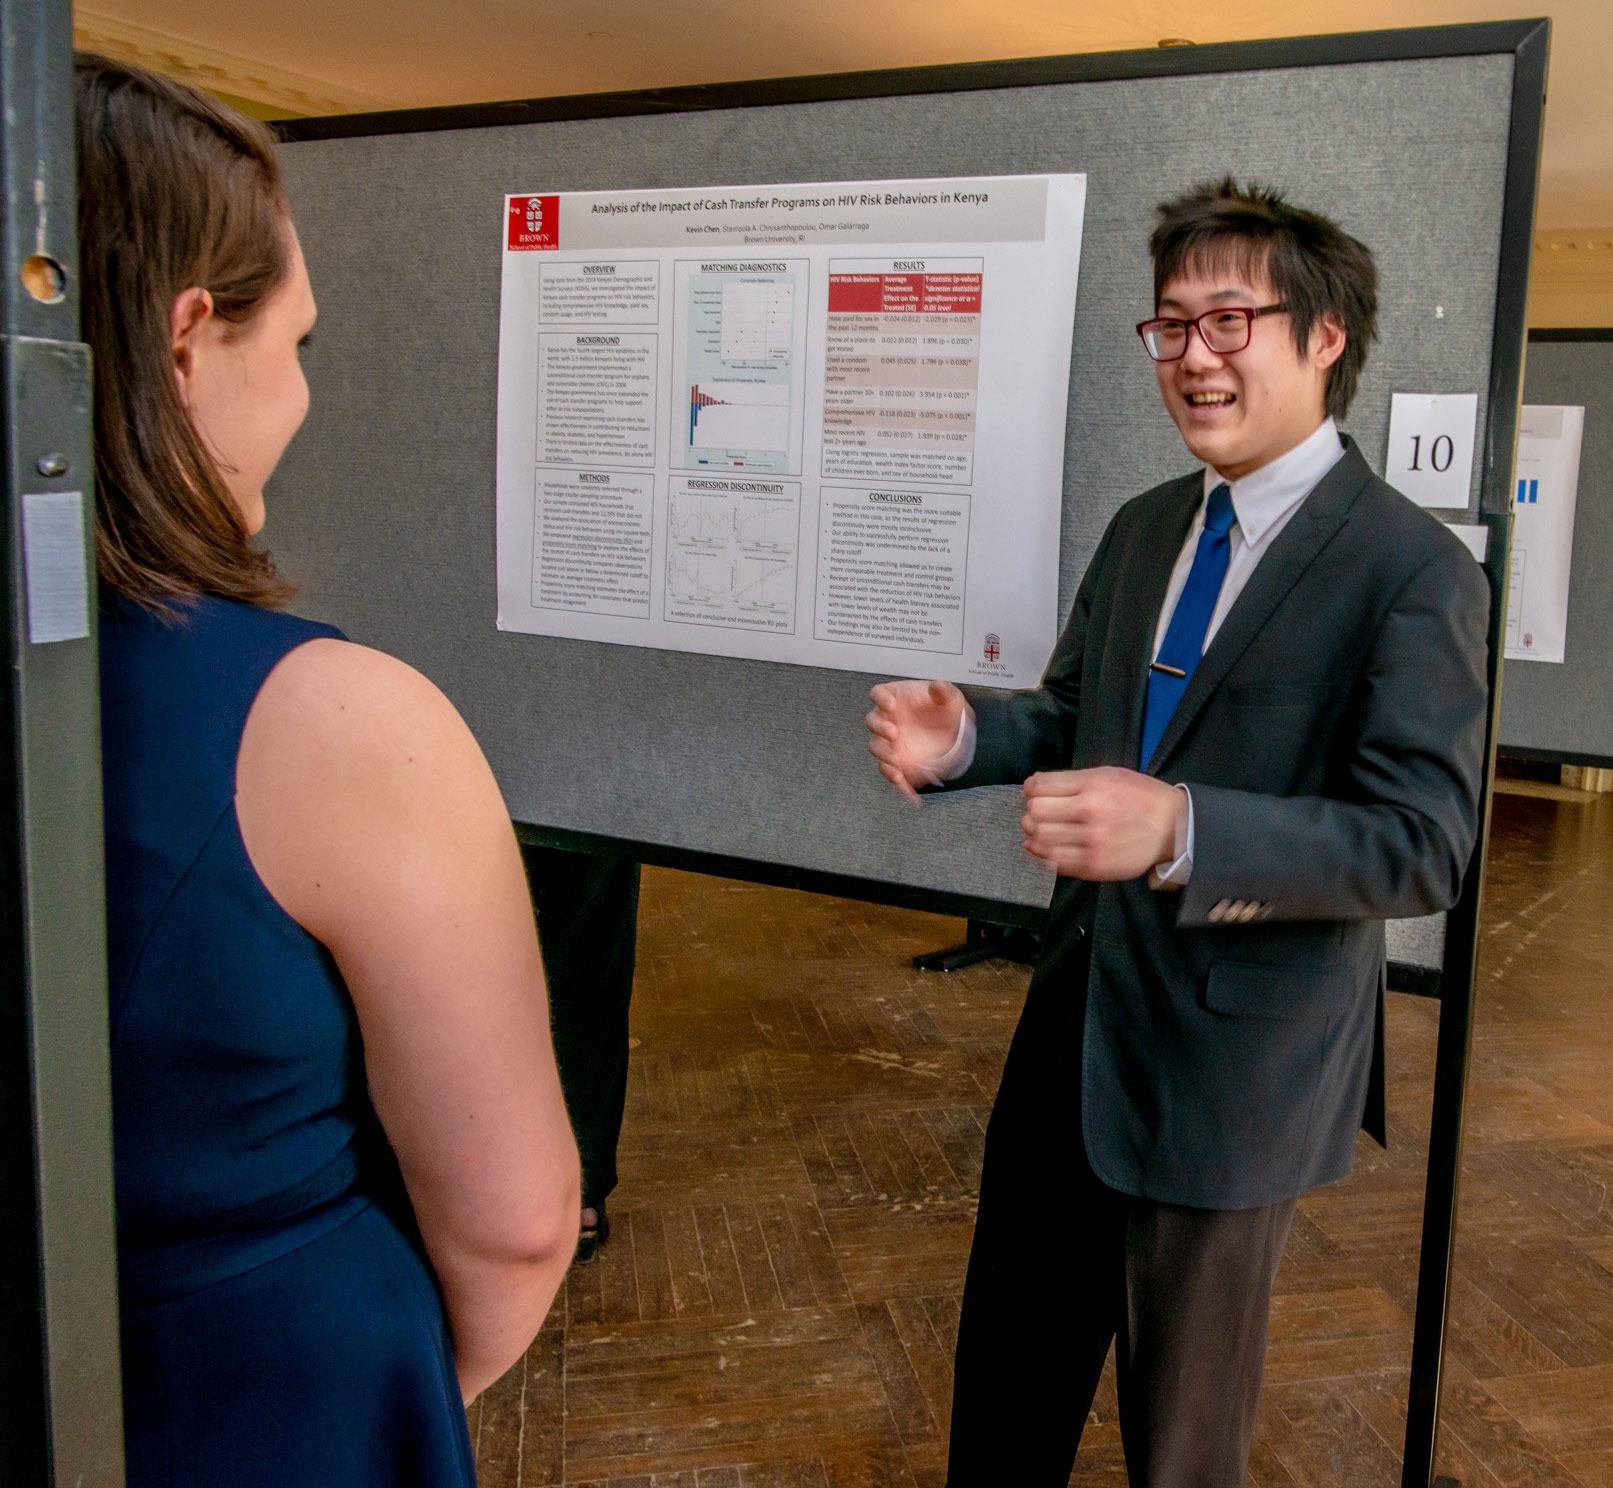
[(351, 763), (341, 692)]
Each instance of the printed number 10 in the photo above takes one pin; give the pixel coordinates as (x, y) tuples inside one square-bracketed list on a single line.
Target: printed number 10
[(1434, 452)]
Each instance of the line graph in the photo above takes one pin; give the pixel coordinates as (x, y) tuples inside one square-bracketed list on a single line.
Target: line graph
[(715, 580), (731, 552), (698, 518)]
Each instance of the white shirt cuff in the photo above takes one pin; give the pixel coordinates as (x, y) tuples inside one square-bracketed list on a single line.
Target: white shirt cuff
[(1180, 868), (958, 758)]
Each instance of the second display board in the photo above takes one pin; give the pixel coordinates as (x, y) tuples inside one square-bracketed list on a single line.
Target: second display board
[(817, 423)]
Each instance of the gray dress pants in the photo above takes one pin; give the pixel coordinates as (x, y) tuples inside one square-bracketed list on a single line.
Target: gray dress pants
[(1062, 1265)]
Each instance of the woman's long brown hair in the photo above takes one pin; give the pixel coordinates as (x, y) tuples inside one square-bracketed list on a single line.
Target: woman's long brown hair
[(174, 189)]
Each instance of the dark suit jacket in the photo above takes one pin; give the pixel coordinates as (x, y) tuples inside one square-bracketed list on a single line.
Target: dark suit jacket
[(1332, 739)]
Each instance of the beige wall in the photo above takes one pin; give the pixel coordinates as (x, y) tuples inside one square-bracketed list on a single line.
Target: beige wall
[(1573, 268)]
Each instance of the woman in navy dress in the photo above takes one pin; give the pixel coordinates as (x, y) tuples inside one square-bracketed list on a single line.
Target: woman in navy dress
[(346, 1188)]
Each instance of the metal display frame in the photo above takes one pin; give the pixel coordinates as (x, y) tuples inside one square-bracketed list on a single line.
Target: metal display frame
[(1526, 752), (61, 1419), (1527, 41)]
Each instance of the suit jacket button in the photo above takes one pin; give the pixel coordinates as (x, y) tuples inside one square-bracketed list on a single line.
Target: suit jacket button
[(1218, 910)]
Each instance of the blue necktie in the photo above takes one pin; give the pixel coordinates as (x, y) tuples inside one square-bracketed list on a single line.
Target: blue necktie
[(1184, 637)]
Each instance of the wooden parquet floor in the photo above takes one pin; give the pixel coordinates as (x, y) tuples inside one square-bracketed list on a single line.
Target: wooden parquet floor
[(777, 1306)]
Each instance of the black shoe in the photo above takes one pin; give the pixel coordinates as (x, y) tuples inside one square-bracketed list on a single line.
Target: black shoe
[(591, 1237)]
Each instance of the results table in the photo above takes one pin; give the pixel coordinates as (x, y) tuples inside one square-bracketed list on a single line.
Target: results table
[(902, 372)]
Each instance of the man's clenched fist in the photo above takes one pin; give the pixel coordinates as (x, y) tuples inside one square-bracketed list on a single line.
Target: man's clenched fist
[(1102, 825)]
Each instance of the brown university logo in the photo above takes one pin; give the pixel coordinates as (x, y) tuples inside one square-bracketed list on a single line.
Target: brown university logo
[(534, 222)]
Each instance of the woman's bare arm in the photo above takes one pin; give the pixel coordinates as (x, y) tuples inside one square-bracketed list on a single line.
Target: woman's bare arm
[(371, 816)]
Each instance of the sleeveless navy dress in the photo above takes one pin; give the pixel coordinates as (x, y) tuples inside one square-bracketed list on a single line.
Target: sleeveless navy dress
[(281, 1325)]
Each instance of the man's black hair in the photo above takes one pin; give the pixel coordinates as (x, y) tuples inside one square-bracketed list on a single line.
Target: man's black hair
[(1314, 266)]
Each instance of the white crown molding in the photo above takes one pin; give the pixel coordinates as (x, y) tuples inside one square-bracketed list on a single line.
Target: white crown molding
[(207, 67), (1574, 256)]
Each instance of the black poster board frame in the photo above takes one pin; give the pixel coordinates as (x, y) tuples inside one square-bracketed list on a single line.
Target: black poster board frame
[(1528, 42)]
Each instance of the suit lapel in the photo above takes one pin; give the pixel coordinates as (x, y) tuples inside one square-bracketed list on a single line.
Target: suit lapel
[(1142, 587), (1309, 531)]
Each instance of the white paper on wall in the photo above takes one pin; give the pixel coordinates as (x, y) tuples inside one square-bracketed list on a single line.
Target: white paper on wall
[(820, 424), (1545, 486), (1430, 454)]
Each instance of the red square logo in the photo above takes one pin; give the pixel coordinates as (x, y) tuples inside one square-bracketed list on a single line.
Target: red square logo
[(534, 222)]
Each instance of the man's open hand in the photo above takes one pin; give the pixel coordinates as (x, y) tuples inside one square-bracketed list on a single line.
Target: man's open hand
[(911, 725), (1101, 825)]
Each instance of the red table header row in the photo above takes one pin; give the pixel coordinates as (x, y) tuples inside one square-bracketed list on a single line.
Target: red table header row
[(896, 294)]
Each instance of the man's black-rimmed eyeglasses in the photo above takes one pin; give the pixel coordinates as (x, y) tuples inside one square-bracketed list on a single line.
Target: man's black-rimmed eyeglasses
[(1223, 331)]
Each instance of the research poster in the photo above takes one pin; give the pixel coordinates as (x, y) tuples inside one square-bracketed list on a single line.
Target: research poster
[(1545, 488), (820, 424)]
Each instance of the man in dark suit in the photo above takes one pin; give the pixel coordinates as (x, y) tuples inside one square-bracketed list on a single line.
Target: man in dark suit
[(1259, 737)]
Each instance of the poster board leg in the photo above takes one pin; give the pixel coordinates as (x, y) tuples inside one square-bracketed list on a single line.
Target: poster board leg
[(1439, 1234), (984, 941)]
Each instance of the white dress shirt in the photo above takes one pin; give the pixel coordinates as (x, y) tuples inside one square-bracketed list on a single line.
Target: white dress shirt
[(1263, 503)]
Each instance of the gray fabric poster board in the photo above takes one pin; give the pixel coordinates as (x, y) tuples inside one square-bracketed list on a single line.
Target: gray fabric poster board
[(1565, 713), (384, 506)]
